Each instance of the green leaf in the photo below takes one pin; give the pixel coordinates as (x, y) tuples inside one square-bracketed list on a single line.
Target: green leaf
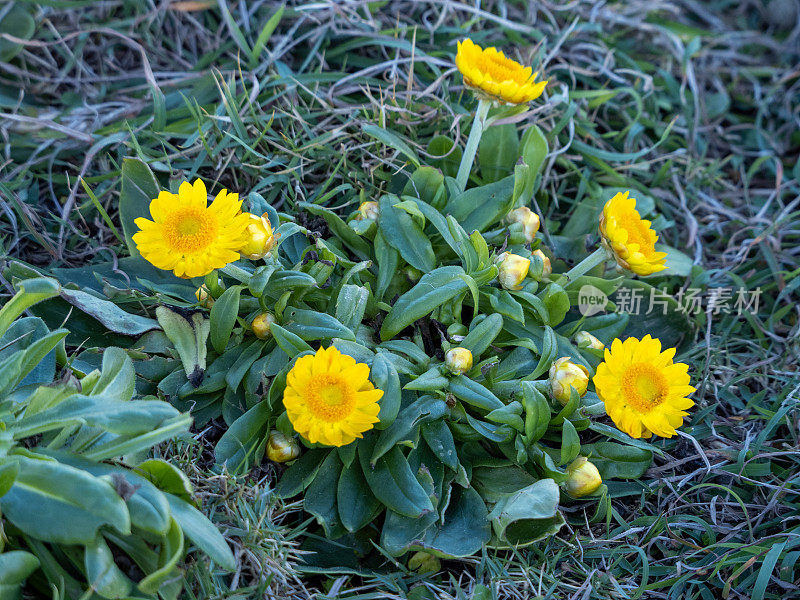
[(481, 336), (527, 515), (431, 380), (384, 376), (570, 443), (426, 408), (301, 473), (393, 483), (341, 229), (188, 336), (405, 235), (15, 567), (103, 573), (266, 33), (167, 477), (117, 377), (447, 156), (537, 412), (479, 208), (355, 501), (351, 303), (170, 552), (71, 505), (29, 292), (242, 445), (110, 315), (440, 440), (291, 343), (314, 325), (502, 302), (320, 497), (474, 393), (617, 461), (426, 183), (223, 317), (139, 188), (202, 532), (533, 149), (392, 140), (432, 290), (19, 22), (498, 151), (8, 473)]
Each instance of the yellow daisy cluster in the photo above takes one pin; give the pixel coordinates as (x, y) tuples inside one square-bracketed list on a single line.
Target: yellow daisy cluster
[(643, 390), (329, 398), (491, 73), (629, 237)]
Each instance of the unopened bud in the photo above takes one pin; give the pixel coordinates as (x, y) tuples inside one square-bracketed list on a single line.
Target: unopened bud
[(528, 219), (281, 448), (458, 360), (565, 375), (423, 562), (586, 341), (261, 325), (513, 270), (583, 478), (204, 297), (547, 268), (260, 239), (368, 211)]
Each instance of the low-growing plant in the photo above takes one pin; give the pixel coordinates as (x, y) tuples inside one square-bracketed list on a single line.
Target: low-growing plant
[(82, 509), (422, 347)]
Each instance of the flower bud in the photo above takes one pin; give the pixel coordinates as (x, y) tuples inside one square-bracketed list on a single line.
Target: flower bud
[(547, 268), (261, 325), (458, 360), (204, 297), (583, 478), (281, 448), (586, 341), (528, 219), (424, 562), (564, 375), (513, 270), (368, 211), (260, 239)]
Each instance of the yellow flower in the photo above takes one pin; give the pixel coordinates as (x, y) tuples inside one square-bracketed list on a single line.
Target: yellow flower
[(261, 325), (643, 390), (329, 398), (564, 375), (490, 73), (629, 237), (528, 219), (281, 448), (260, 239), (512, 270), (583, 478), (458, 360), (189, 237)]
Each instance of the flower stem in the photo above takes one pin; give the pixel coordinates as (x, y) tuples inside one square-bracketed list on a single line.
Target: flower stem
[(474, 139), (597, 257)]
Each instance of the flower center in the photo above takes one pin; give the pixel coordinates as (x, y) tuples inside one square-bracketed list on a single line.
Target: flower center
[(190, 229), (644, 387), (329, 398), (638, 232)]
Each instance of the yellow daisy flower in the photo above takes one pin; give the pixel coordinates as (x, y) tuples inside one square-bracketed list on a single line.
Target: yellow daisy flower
[(629, 237), (643, 390), (329, 398), (490, 72), (189, 237)]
